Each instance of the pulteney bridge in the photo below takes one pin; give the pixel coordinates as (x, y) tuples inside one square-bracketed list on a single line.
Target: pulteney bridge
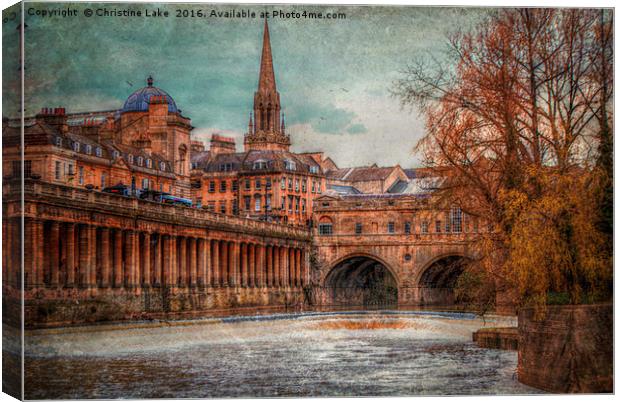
[(388, 250)]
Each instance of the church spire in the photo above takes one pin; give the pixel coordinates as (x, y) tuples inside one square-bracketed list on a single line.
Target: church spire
[(266, 79), (267, 132)]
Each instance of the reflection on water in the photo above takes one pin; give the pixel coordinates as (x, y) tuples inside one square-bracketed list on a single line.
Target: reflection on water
[(327, 355)]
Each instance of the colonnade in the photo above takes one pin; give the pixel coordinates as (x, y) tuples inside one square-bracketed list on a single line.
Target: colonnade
[(66, 254)]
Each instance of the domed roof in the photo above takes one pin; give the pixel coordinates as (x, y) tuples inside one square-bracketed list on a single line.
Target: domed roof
[(139, 100)]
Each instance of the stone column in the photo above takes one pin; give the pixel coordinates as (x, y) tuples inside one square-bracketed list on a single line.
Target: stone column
[(146, 260), (193, 262), (200, 263), (291, 267), (298, 266), (157, 260), (244, 264), (252, 264), (167, 260), (215, 263), (106, 272), (33, 253), (207, 265), (235, 264), (261, 264), (130, 268), (54, 254), (118, 258), (276, 267), (224, 267), (182, 261), (84, 258), (268, 265)]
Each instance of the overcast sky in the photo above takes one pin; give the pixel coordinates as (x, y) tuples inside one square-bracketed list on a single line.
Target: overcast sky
[(333, 76)]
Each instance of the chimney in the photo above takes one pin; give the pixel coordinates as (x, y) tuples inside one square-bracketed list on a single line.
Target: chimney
[(54, 117), (222, 145), (197, 146)]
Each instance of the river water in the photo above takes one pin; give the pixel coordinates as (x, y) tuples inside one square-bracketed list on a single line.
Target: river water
[(354, 354)]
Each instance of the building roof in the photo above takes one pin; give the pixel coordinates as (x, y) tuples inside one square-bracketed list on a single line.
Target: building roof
[(343, 189), (363, 173), (140, 99)]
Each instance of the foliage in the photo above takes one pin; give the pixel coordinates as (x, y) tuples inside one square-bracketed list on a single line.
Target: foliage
[(519, 125)]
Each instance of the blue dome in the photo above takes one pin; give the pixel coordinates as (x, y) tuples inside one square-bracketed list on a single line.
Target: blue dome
[(139, 100)]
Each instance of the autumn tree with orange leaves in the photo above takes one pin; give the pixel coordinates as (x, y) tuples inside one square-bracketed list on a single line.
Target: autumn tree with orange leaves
[(519, 122)]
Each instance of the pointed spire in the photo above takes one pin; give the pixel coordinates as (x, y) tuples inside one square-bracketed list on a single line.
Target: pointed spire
[(250, 125), (149, 81), (266, 79), (282, 128)]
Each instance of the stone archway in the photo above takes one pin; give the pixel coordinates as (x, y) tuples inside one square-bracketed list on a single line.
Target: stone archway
[(361, 281), (437, 281)]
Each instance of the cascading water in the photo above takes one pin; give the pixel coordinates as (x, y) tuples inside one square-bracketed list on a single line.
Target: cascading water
[(316, 354)]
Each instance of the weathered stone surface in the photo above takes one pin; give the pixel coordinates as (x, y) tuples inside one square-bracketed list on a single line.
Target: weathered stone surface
[(497, 338), (570, 351)]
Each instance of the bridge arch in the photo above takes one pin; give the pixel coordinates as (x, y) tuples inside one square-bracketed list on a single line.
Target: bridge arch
[(361, 280), (437, 279)]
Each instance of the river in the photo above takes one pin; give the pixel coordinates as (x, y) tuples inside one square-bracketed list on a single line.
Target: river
[(319, 354)]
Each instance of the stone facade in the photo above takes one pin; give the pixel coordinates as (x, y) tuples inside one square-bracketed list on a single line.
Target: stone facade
[(91, 256), (569, 351), (358, 234)]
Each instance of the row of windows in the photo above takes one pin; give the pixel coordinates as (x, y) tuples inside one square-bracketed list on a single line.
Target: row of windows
[(295, 184), (454, 225), (88, 149)]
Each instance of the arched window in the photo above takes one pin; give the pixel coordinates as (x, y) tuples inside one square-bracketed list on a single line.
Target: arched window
[(140, 160), (76, 146), (89, 149), (98, 152), (149, 163), (130, 158)]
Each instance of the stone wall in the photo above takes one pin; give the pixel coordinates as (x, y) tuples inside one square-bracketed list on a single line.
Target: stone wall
[(570, 351), (497, 338)]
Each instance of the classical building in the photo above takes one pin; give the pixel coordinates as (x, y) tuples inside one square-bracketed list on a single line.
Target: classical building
[(143, 145)]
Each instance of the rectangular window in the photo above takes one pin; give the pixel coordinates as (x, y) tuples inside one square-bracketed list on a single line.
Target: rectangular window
[(235, 207), (257, 204), (247, 184), (313, 186), (103, 177), (283, 183), (223, 207), (390, 227), (290, 184), (257, 184), (268, 202), (56, 170), (268, 183), (456, 220), (303, 185), (303, 206), (212, 186), (296, 184), (71, 169), (447, 227), (223, 186), (145, 184), (424, 227), (246, 202), (296, 204), (235, 185), (407, 227), (437, 226), (358, 228), (325, 229), (290, 203), (211, 206), (283, 203), (81, 175)]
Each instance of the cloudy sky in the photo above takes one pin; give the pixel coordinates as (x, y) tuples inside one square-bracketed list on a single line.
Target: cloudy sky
[(333, 76)]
